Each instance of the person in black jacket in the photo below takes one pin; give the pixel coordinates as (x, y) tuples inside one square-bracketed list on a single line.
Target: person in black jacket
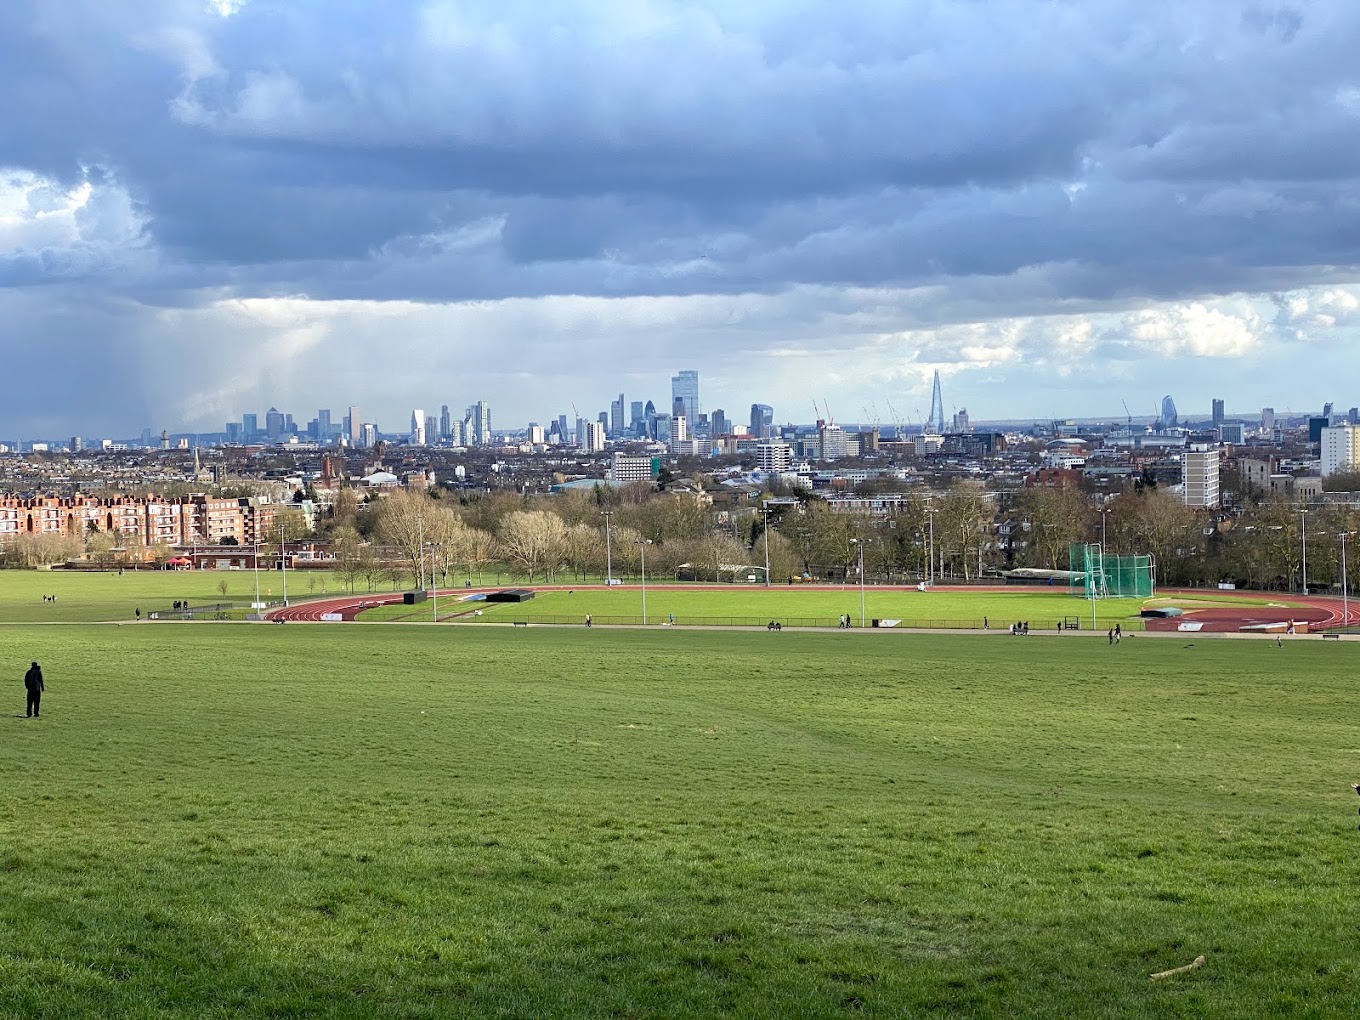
[(33, 683)]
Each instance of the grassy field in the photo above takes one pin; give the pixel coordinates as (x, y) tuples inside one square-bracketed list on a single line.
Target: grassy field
[(1042, 609), (356, 822), (87, 596)]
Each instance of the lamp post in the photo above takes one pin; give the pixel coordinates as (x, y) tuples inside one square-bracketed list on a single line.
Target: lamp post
[(1303, 520), (283, 561), (257, 573), (642, 545), (608, 555), (860, 542), (1104, 515), (765, 512)]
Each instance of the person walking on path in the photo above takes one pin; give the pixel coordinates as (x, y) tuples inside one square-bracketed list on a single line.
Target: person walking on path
[(1110, 636), (33, 684)]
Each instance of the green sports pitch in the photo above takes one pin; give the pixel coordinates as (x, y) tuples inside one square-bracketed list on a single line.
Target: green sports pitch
[(492, 822)]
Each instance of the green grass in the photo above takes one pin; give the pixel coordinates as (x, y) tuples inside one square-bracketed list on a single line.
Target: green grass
[(87, 596), (330, 821), (757, 605)]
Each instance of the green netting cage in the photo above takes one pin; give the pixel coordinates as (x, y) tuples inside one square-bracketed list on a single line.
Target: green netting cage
[(1099, 575)]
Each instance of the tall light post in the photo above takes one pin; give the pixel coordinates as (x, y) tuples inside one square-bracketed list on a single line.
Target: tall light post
[(642, 545), (1303, 520), (860, 542), (420, 525), (283, 560), (930, 576), (434, 585), (1345, 600), (765, 512), (608, 555), (1104, 515), (257, 573)]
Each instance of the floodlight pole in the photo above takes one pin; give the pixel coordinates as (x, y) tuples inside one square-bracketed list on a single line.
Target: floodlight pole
[(642, 549), (257, 573), (1345, 599), (420, 524), (765, 511), (860, 542), (608, 555), (283, 561), (1303, 519), (930, 566)]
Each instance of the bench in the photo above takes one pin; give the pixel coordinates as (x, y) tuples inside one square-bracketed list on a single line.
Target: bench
[(1331, 637), (521, 623)]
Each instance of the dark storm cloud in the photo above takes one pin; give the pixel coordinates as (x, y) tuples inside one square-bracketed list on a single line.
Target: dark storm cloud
[(994, 158)]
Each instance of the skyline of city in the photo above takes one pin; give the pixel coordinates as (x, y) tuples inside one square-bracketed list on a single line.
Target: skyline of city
[(217, 221)]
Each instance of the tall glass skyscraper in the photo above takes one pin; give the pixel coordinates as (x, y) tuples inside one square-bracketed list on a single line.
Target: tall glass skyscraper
[(685, 391), (935, 423)]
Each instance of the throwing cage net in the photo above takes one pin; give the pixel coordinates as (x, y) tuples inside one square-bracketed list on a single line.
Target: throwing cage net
[(1097, 575)]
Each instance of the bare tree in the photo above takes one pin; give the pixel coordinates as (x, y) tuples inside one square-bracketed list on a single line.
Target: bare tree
[(535, 541)]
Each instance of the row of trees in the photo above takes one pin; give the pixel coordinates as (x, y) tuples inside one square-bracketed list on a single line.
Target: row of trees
[(968, 529)]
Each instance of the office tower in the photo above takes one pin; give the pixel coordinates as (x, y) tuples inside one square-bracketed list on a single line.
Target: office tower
[(250, 427), (535, 434), (368, 435), (352, 424), (603, 419), (616, 417), (579, 435), (233, 431), (1340, 449), (661, 428), (1316, 424), (1267, 418), (479, 418), (323, 425), (762, 421), (1217, 412), (273, 423), (562, 432), (432, 428), (457, 434), (1169, 419), (1353, 416), (719, 426), (594, 437), (935, 423), (961, 420), (1232, 433), (289, 429), (685, 394), (637, 418), (679, 432), (77, 444), (1200, 478), (418, 427), (649, 418), (445, 422)]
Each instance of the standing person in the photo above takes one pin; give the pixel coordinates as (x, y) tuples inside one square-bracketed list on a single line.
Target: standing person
[(587, 619), (984, 623), (1110, 636), (33, 684)]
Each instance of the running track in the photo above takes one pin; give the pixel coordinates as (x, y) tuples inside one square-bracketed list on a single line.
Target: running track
[(1320, 611)]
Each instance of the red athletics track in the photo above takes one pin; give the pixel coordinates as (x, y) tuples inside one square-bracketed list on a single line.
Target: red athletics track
[(1319, 612)]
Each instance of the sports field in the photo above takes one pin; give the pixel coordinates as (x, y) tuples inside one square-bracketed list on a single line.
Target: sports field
[(88, 596), (417, 822)]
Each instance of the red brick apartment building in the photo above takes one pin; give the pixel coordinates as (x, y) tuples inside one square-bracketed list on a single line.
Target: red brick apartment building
[(193, 520)]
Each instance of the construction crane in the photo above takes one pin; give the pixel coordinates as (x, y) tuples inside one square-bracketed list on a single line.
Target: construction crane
[(1127, 412), (897, 422)]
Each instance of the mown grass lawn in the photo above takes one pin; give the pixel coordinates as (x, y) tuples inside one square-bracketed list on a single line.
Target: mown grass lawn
[(418, 822), (755, 605), (89, 596)]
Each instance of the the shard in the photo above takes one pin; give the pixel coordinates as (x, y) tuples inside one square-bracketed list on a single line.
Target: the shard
[(935, 423)]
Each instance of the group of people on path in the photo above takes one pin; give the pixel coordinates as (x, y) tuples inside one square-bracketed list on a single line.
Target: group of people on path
[(1020, 628), (49, 598), (1116, 634)]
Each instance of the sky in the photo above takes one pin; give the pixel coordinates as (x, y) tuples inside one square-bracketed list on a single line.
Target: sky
[(214, 206)]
